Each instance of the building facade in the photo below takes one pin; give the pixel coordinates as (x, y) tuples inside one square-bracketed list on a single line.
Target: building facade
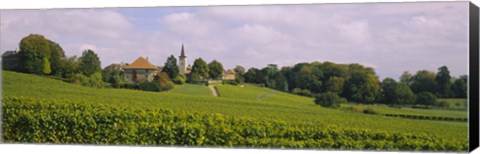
[(140, 70)]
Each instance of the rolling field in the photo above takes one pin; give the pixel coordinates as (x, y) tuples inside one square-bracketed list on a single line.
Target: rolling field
[(242, 117), (191, 89)]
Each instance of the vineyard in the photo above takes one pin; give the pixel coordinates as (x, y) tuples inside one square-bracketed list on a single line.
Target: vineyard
[(40, 110), (191, 89)]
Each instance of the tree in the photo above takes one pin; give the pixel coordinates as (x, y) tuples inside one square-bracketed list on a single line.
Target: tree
[(403, 94), (89, 63), (113, 76), (70, 66), (215, 69), (56, 57), (423, 81), (396, 93), (307, 76), (334, 84), (361, 85), (426, 98), (280, 82), (251, 75), (406, 77), (34, 48), (239, 69), (459, 87), (443, 83), (389, 87), (171, 67), (46, 67), (199, 71), (333, 70), (330, 100)]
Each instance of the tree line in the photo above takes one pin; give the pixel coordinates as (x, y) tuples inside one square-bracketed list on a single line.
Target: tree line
[(357, 83), (39, 55)]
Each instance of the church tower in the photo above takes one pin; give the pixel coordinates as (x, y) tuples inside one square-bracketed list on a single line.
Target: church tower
[(182, 63)]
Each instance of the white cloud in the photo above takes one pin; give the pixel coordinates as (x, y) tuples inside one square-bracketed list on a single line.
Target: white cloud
[(357, 31), (385, 36)]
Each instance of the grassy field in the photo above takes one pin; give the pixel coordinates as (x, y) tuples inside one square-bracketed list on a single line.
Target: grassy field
[(191, 89), (254, 103), (456, 103)]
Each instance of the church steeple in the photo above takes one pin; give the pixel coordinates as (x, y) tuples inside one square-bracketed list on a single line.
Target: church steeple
[(182, 55), (182, 63)]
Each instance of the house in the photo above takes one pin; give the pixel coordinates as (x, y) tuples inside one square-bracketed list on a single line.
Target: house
[(11, 60), (119, 67), (229, 75), (140, 70)]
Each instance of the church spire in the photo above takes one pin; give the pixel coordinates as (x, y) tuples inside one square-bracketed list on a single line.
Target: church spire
[(182, 55)]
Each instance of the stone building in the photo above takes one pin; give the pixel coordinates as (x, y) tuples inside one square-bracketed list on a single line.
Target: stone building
[(140, 70)]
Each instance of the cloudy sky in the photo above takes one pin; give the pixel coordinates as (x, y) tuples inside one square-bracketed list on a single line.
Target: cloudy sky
[(389, 37)]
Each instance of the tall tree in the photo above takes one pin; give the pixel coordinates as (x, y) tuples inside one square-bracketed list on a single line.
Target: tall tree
[(443, 83), (251, 75), (396, 93), (239, 69), (403, 94), (423, 81), (215, 69), (57, 55), (171, 67), (406, 77), (459, 87), (362, 84), (199, 71), (34, 48), (389, 87), (89, 63), (70, 66), (280, 82)]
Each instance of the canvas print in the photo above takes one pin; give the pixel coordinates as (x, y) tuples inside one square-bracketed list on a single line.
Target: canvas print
[(358, 76)]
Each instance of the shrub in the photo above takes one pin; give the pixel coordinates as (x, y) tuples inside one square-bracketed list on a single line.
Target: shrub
[(95, 80), (426, 98), (148, 86), (167, 86), (303, 92), (180, 79), (129, 86), (330, 100), (370, 111), (442, 104), (352, 109)]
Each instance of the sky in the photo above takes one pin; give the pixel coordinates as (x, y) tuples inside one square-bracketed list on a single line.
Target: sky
[(389, 37)]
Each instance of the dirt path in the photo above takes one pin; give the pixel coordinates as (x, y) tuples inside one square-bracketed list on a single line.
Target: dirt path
[(213, 90)]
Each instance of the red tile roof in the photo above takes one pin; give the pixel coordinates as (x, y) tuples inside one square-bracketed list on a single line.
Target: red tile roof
[(141, 63)]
